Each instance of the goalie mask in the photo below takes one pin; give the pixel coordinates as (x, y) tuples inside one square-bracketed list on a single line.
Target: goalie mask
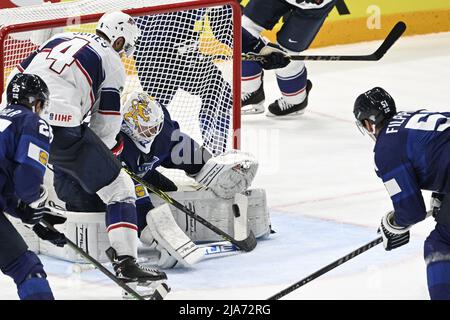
[(118, 24), (143, 117)]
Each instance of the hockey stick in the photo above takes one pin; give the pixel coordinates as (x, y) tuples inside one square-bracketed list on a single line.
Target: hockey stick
[(325, 269), (160, 292), (218, 248), (247, 244), (392, 37), (97, 264)]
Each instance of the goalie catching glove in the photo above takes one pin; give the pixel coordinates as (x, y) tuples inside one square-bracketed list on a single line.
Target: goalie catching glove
[(229, 173), (393, 235)]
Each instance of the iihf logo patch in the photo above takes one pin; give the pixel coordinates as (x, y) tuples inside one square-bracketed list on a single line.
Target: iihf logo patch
[(59, 117)]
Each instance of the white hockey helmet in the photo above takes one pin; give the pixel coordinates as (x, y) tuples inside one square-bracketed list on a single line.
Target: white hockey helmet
[(143, 117), (117, 24)]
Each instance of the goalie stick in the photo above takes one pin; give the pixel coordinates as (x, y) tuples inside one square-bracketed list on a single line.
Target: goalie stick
[(248, 244), (218, 248), (392, 37), (325, 269), (159, 293)]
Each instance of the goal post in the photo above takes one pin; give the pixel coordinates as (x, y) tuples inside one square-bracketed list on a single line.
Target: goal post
[(219, 49)]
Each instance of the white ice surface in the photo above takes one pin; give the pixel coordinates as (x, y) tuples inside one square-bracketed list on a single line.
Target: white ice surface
[(323, 194)]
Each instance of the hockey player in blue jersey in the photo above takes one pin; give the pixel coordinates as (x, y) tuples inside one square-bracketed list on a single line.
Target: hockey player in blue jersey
[(152, 139), (24, 152), (86, 76), (303, 20), (412, 153)]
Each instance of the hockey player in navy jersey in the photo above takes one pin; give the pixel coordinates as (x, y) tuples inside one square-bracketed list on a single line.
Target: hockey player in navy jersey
[(24, 152), (303, 20), (86, 76), (412, 153), (152, 139)]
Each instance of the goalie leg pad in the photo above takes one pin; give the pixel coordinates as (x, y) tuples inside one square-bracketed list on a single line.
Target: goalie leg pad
[(172, 242), (229, 173), (220, 213)]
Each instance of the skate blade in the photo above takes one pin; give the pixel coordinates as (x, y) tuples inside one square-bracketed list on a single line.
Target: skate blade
[(286, 116), (253, 109)]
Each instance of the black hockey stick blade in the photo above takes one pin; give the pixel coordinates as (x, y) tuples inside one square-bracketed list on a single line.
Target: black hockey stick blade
[(247, 244), (392, 37), (325, 269)]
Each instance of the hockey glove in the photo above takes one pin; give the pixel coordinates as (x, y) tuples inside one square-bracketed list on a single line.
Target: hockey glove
[(274, 57), (32, 213), (273, 54), (393, 235), (46, 233)]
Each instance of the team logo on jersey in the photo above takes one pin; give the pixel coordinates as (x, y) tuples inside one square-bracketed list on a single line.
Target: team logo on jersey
[(60, 117), (147, 166)]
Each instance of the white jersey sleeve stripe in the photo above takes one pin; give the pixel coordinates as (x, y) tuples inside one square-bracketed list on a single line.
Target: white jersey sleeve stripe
[(89, 80)]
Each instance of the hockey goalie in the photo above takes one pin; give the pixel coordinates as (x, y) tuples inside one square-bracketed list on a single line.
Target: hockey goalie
[(150, 139)]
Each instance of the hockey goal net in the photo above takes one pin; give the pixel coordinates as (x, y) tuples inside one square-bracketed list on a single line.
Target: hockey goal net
[(188, 56)]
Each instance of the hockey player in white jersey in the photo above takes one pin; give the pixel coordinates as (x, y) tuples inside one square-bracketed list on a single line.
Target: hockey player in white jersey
[(85, 75)]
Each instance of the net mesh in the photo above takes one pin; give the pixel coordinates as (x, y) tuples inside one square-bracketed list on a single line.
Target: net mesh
[(183, 58)]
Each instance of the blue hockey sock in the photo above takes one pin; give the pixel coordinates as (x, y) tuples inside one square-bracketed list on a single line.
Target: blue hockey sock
[(438, 277), (28, 273), (437, 258), (35, 288)]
